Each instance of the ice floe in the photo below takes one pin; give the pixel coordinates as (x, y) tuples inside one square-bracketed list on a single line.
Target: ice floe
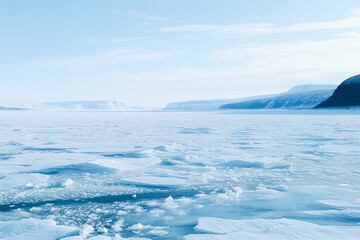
[(28, 180), (168, 181), (34, 229), (279, 229)]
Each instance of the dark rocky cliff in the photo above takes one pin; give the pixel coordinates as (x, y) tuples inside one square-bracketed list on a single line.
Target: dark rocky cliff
[(347, 94)]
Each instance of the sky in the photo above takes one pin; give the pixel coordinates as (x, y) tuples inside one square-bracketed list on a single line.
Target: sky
[(152, 52)]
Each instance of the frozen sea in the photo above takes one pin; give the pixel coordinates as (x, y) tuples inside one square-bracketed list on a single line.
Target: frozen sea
[(175, 175)]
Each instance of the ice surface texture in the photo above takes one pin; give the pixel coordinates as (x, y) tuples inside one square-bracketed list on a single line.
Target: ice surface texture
[(171, 175), (261, 229)]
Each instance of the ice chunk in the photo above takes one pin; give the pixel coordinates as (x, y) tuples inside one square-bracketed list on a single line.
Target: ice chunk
[(139, 226), (16, 180), (242, 164), (68, 183), (230, 195), (341, 203), (35, 162), (158, 232), (84, 233), (157, 180), (279, 229), (27, 229), (121, 212), (127, 164), (117, 237), (202, 130), (170, 203), (13, 215), (348, 213), (117, 227)]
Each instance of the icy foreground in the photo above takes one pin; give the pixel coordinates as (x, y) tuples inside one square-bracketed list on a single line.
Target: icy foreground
[(279, 229), (133, 175)]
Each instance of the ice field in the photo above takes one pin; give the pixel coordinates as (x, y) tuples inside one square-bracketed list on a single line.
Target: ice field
[(165, 175)]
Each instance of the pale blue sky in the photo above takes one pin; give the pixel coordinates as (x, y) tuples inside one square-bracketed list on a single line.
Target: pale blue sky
[(151, 52)]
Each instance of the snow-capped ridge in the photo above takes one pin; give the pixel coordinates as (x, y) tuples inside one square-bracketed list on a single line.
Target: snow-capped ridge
[(311, 87), (206, 105), (300, 96)]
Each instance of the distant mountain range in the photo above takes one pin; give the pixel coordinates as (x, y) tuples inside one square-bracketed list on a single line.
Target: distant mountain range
[(311, 87), (11, 108), (73, 106), (302, 96), (87, 105), (307, 99), (205, 105), (347, 94)]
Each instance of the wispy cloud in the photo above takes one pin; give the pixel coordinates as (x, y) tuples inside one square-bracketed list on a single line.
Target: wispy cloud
[(354, 11), (144, 16), (140, 15), (119, 56), (343, 49), (307, 61), (261, 69), (265, 28), (128, 39)]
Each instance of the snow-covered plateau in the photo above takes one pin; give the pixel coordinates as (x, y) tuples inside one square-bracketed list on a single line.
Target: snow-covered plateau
[(68, 106), (286, 174)]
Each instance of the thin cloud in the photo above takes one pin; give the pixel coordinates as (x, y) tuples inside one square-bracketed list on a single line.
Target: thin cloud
[(140, 15), (144, 16), (128, 39), (344, 49), (353, 11), (120, 56), (265, 28), (268, 68)]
